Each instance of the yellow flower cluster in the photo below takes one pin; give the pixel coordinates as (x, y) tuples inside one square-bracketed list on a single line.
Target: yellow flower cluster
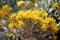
[(20, 3), (24, 18), (12, 16), (20, 23), (35, 16), (11, 25), (49, 23), (55, 4), (9, 35), (4, 10)]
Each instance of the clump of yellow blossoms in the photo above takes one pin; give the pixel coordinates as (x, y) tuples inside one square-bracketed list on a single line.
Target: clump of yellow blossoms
[(11, 25), (26, 20), (9, 35), (5, 10), (55, 4), (35, 16), (20, 23), (12, 16), (20, 3)]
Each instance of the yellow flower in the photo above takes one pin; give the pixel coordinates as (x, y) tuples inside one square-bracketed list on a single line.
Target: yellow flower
[(11, 25), (43, 13), (44, 26), (46, 20), (54, 28), (12, 16), (6, 9), (52, 20), (20, 23), (55, 4), (9, 35), (20, 3), (26, 15), (18, 16), (2, 14), (35, 17)]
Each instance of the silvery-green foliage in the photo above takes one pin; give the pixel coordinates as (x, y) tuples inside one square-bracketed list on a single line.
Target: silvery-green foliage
[(3, 36)]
